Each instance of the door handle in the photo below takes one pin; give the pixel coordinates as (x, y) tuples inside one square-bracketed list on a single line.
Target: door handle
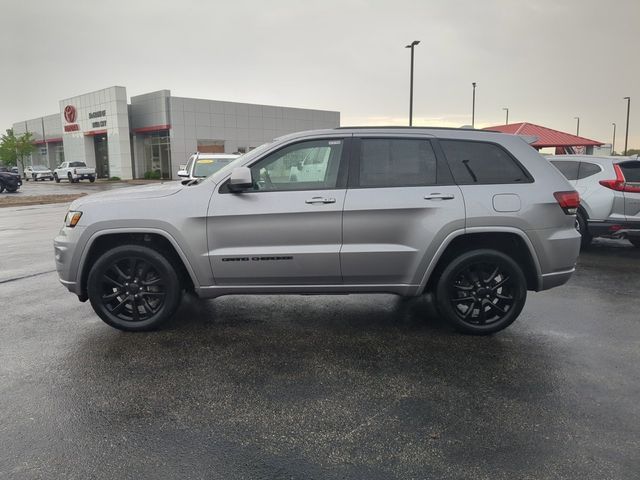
[(439, 196), (320, 200)]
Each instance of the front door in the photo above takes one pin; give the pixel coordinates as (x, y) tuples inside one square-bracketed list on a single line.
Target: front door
[(102, 156), (288, 228)]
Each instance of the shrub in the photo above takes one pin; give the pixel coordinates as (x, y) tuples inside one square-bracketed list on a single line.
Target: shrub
[(114, 179), (152, 175)]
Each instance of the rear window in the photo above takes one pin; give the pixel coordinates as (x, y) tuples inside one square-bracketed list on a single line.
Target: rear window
[(631, 171), (568, 169), (482, 163), (77, 164), (397, 163)]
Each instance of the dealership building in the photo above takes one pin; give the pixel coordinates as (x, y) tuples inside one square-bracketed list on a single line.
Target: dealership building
[(156, 132)]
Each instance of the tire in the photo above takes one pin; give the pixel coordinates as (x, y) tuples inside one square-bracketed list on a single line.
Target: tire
[(112, 287), (69, 177), (635, 241), (1, 188), (92, 179), (35, 179), (55, 177), (12, 190), (583, 230), (486, 276)]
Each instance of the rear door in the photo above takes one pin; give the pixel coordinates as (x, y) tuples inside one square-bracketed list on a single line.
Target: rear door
[(631, 172), (400, 204)]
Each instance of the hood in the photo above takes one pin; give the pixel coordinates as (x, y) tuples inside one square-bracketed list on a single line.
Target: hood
[(142, 192)]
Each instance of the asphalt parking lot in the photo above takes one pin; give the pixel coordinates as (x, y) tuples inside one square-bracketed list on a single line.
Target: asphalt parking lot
[(46, 187), (358, 386)]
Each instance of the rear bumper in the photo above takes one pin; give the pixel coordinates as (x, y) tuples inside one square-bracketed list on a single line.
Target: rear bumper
[(614, 229)]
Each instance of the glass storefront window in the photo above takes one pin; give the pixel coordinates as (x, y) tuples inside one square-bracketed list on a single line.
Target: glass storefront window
[(157, 155)]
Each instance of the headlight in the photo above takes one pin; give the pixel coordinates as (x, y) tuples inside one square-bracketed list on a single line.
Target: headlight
[(72, 218)]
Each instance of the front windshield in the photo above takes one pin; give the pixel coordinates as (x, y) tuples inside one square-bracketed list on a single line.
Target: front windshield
[(206, 166), (40, 167)]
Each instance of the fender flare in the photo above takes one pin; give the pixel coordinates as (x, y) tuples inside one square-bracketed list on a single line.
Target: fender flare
[(467, 231)]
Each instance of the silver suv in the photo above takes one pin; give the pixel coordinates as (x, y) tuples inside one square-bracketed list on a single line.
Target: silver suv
[(475, 218), (609, 190)]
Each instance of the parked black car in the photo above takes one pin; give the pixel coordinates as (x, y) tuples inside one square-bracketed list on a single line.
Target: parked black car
[(9, 181)]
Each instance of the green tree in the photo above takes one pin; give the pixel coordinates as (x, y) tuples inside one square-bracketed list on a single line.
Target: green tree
[(14, 150), (633, 151)]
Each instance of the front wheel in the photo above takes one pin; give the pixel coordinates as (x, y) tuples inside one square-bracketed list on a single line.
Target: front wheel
[(134, 288), (583, 230), (481, 292), (92, 179), (56, 178)]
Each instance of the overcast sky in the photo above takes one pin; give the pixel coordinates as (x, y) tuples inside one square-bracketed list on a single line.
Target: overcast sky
[(548, 61)]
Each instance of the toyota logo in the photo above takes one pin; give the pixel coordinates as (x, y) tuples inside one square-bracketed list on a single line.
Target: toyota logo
[(70, 113)]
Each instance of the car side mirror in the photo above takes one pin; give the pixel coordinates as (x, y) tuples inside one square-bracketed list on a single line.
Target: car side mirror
[(183, 173), (240, 179)]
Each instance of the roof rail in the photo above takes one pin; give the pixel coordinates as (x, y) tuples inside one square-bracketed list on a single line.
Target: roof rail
[(399, 127)]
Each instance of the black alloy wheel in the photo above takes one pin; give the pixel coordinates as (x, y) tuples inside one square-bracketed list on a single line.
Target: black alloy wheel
[(134, 288), (481, 292), (583, 230)]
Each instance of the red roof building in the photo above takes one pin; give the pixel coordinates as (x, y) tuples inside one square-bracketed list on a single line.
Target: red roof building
[(548, 137)]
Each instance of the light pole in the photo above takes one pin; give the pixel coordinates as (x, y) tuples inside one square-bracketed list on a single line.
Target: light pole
[(577, 126), (626, 134), (411, 46), (473, 106), (613, 143), (506, 109)]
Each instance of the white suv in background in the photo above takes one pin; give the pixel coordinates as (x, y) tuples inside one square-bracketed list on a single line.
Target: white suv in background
[(201, 165), (609, 190)]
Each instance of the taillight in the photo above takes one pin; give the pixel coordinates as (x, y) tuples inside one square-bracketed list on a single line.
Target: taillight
[(620, 184), (568, 201)]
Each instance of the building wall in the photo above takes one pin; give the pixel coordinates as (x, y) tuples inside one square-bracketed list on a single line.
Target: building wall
[(47, 134), (240, 126), (78, 144)]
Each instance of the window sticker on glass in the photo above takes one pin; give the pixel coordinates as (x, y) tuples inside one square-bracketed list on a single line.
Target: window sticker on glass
[(335, 142), (206, 160)]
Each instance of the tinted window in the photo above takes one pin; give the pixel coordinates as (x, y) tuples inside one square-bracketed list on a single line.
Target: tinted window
[(303, 166), (481, 163), (587, 169), (568, 169), (397, 163), (631, 171), (77, 164)]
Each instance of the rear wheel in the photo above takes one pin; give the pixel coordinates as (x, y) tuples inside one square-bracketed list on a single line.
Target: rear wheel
[(55, 177), (92, 179), (134, 288), (69, 177), (1, 188), (583, 230), (481, 292)]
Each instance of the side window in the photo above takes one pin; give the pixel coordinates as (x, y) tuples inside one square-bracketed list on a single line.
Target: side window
[(481, 163), (396, 163), (311, 165), (587, 169), (631, 171), (567, 168)]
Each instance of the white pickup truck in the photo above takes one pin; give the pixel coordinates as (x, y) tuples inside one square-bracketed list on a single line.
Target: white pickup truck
[(74, 172)]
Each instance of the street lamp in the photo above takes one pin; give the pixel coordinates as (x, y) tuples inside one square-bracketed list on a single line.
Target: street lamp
[(626, 134), (473, 106), (577, 126), (613, 143), (506, 122), (411, 46)]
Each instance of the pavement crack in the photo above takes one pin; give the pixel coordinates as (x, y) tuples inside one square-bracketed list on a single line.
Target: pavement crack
[(25, 276)]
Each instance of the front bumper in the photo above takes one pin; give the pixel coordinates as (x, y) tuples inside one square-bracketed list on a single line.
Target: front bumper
[(64, 247), (614, 229)]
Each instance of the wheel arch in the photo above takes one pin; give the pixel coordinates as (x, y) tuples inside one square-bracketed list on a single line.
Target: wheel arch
[(511, 241), (159, 240)]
